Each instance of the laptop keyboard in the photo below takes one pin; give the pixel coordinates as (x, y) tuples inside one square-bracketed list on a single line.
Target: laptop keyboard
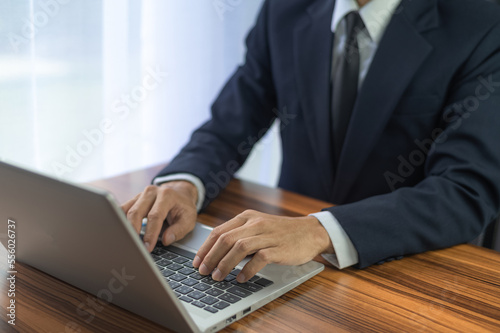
[(176, 265)]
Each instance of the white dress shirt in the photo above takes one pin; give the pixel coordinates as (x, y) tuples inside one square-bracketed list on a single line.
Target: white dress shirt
[(376, 15)]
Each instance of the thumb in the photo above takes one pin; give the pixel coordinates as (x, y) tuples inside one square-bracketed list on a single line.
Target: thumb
[(177, 230)]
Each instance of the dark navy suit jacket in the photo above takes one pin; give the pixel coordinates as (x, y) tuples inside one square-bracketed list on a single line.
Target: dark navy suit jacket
[(420, 168)]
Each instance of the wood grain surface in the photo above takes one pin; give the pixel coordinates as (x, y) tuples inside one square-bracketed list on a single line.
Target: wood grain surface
[(450, 290)]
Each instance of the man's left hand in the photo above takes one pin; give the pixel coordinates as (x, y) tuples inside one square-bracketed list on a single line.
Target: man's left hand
[(271, 239)]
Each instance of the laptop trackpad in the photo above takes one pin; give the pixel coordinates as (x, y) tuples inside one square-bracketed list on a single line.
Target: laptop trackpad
[(194, 240)]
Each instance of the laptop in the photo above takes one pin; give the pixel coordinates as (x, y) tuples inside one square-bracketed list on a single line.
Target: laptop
[(80, 235)]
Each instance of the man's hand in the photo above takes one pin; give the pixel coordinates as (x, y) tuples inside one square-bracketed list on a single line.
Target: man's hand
[(272, 239), (174, 201)]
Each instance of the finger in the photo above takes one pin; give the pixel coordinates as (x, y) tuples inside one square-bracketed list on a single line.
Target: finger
[(242, 248), (181, 216), (235, 222), (156, 217), (178, 229), (214, 236), (260, 259), (225, 244), (141, 207), (127, 205)]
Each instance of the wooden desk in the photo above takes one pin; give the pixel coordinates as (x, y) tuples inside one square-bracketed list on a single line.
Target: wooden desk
[(456, 289)]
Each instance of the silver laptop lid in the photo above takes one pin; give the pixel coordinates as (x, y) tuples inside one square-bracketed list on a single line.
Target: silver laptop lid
[(81, 236)]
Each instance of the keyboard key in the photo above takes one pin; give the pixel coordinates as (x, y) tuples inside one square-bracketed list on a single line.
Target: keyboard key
[(221, 305), (202, 287), (264, 282), (181, 252), (187, 271), (178, 295), (180, 260), (175, 267), (214, 292), (210, 309), (184, 290), (198, 304), (174, 284), (230, 278), (251, 287), (167, 272), (248, 286), (229, 298), (186, 299), (196, 294), (197, 276), (158, 251), (177, 277), (155, 257), (223, 285), (209, 300), (208, 280), (190, 282), (163, 262), (168, 255), (254, 278), (239, 292), (159, 267), (189, 264)]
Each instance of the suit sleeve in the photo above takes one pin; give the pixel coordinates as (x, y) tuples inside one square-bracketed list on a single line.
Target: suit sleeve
[(241, 115), (460, 193)]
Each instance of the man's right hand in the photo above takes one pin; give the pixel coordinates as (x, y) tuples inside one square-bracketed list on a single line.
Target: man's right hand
[(173, 202)]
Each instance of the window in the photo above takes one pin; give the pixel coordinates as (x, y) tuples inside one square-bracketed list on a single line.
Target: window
[(91, 89)]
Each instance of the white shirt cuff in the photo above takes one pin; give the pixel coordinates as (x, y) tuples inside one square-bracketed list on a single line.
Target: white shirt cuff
[(189, 178), (345, 252)]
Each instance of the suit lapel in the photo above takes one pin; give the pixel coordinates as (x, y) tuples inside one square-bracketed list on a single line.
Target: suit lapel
[(400, 53), (312, 54)]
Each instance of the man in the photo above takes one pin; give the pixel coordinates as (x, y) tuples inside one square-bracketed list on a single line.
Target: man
[(409, 152)]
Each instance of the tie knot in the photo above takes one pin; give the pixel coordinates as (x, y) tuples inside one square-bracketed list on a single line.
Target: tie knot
[(354, 23)]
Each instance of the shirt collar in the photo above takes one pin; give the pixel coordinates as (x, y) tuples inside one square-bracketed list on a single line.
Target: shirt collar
[(376, 15)]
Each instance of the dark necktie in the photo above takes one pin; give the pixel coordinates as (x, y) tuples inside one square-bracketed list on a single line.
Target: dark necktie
[(345, 75)]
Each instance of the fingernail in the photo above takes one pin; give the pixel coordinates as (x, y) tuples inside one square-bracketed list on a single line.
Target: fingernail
[(146, 244), (196, 262), (170, 239), (217, 275), (204, 270), (241, 278)]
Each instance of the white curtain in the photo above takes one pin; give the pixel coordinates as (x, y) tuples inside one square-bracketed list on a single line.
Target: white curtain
[(90, 89)]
